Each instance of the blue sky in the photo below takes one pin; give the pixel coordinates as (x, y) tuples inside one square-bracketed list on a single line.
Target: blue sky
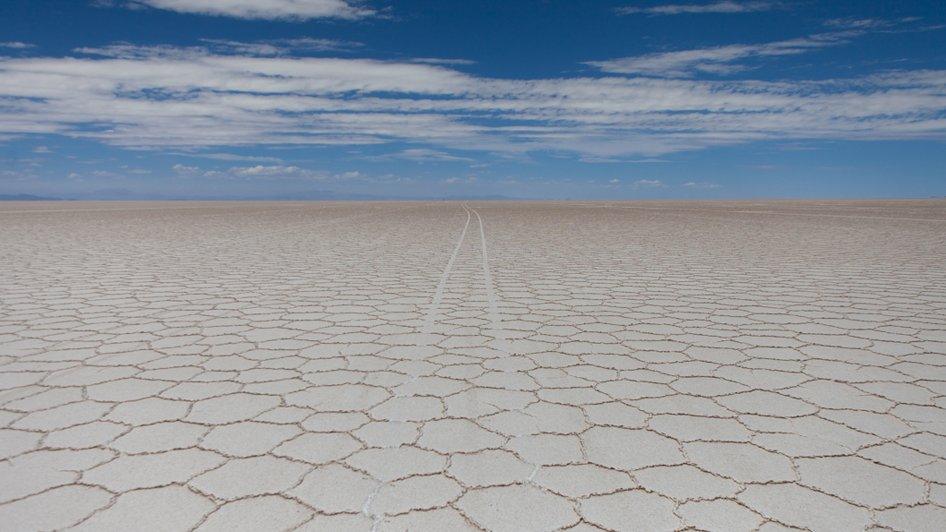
[(527, 99)]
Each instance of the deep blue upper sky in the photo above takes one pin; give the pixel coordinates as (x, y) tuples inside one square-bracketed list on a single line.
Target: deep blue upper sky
[(531, 99)]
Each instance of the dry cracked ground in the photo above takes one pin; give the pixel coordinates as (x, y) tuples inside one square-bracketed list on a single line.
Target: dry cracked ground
[(441, 366)]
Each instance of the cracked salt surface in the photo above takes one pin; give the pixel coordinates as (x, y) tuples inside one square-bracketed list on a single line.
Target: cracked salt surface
[(505, 366)]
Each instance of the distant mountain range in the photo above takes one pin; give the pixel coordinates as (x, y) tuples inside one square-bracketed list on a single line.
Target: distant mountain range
[(25, 197), (314, 195)]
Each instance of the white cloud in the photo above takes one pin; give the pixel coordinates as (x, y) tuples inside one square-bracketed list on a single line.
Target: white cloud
[(424, 155), (193, 99), (724, 6), (717, 59), (648, 183), (183, 169), (700, 185), (610, 160), (291, 173), (737, 57), (136, 171), (266, 48), (229, 157), (895, 24), (439, 61), (274, 47), (267, 172), (16, 45), (351, 174), (264, 9), (460, 180)]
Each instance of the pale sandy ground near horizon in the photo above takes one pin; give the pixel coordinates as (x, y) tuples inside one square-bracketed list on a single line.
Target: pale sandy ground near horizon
[(446, 366)]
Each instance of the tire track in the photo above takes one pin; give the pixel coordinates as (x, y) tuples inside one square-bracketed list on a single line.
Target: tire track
[(437, 300), (495, 319)]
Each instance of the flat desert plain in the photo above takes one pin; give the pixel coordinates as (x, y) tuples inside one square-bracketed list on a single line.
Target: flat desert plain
[(445, 366)]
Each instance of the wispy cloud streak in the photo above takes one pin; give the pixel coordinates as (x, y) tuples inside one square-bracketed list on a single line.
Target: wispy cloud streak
[(724, 6), (718, 59), (262, 9), (16, 45), (190, 98)]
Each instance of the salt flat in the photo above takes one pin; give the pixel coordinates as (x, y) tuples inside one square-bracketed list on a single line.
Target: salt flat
[(442, 366)]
